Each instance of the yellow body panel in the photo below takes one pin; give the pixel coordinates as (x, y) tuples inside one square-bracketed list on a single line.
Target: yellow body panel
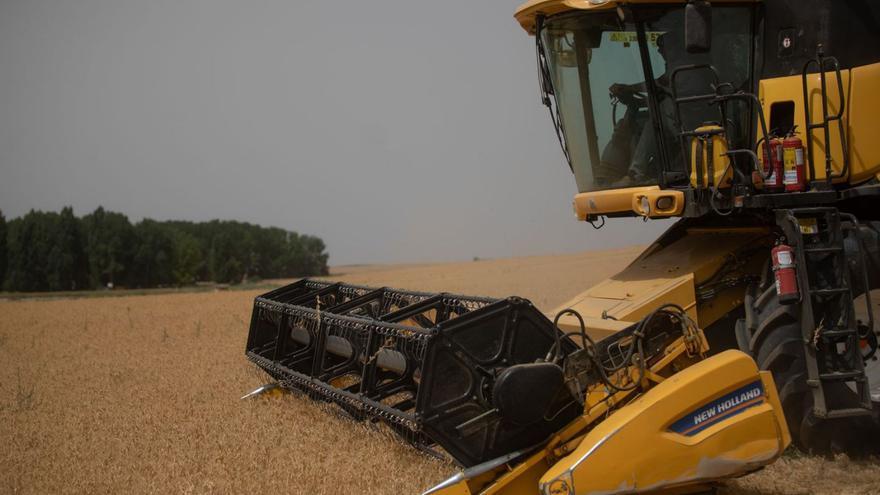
[(743, 437), (611, 200), (860, 118), (667, 274), (864, 124), (790, 89), (591, 204)]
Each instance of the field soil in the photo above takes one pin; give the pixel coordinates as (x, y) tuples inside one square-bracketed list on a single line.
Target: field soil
[(141, 394)]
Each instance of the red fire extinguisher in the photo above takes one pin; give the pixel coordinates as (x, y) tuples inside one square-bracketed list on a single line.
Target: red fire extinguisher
[(793, 162), (773, 160), (785, 272)]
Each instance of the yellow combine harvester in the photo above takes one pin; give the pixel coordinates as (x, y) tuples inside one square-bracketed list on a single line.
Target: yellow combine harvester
[(732, 335)]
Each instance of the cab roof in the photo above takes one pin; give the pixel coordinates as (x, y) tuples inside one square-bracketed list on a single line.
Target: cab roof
[(527, 12)]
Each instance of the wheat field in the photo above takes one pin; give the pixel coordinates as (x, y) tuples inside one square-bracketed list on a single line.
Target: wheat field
[(140, 394)]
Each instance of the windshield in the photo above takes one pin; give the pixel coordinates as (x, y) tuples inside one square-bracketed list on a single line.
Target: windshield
[(614, 134)]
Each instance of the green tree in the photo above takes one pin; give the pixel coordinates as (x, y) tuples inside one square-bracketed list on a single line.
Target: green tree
[(310, 256), (227, 266), (67, 264), (52, 251), (188, 258), (30, 240), (152, 261), (110, 245)]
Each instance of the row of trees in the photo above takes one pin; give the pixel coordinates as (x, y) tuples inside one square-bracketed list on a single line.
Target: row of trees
[(43, 251)]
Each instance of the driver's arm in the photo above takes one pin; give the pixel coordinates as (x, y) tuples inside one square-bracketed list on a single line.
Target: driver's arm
[(618, 89)]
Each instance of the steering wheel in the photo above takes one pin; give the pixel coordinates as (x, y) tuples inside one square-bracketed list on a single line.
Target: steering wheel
[(633, 98), (628, 95)]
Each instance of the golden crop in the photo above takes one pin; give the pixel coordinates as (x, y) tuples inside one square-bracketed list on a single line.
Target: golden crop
[(140, 394)]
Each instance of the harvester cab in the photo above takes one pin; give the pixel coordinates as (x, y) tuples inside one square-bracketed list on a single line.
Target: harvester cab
[(731, 336), (648, 98), (689, 109)]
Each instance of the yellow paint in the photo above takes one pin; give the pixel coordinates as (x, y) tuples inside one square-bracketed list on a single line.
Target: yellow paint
[(275, 392), (860, 118), (808, 225), (864, 124), (656, 199), (722, 173), (733, 446), (629, 199), (790, 89), (668, 274)]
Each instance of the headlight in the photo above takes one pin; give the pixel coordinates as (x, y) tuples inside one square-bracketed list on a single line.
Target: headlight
[(646, 206), (560, 485), (664, 202)]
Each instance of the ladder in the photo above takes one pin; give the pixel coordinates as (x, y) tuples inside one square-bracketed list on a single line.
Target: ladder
[(831, 333)]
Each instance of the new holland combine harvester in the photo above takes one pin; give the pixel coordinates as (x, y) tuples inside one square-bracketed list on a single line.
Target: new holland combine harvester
[(744, 327)]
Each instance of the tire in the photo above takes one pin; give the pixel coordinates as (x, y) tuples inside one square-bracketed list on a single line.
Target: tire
[(777, 346)]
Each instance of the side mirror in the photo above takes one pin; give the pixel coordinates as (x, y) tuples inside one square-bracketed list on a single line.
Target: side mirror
[(698, 26)]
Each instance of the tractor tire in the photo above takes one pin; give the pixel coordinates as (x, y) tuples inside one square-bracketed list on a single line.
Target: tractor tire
[(777, 346)]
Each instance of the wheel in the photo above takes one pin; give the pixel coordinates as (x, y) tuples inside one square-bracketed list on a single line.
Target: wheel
[(777, 346)]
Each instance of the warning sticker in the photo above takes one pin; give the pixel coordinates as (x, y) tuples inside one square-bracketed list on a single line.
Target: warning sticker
[(808, 225), (628, 37), (784, 257)]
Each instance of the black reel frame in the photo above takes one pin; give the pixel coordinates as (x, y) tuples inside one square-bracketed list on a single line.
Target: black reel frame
[(424, 364)]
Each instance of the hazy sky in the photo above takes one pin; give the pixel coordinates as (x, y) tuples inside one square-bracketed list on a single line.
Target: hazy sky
[(395, 130)]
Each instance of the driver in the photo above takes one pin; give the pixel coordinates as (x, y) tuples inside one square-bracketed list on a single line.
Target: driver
[(630, 157)]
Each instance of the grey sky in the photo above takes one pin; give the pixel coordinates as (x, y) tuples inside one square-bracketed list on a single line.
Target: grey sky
[(394, 130)]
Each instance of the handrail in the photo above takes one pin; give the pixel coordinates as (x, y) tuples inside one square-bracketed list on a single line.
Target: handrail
[(821, 62)]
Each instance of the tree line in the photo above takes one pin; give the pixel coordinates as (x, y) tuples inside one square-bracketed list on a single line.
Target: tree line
[(46, 251)]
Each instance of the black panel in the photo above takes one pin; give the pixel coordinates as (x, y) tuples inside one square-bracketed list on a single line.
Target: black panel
[(781, 117), (793, 30)]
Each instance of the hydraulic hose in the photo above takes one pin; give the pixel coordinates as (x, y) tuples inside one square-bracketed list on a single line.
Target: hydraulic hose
[(635, 349)]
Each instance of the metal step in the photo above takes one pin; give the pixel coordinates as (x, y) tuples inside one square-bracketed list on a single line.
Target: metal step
[(830, 292), (831, 249), (845, 413), (826, 360), (833, 334), (843, 376)]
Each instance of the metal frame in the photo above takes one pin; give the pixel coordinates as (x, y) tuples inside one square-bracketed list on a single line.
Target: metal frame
[(422, 363), (831, 344)]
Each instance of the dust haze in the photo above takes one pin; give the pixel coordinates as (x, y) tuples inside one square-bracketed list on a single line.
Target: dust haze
[(396, 131)]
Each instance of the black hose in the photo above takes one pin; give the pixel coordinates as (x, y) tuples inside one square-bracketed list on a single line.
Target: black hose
[(636, 348), (556, 349)]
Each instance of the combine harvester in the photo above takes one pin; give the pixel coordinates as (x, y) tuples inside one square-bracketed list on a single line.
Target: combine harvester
[(731, 336)]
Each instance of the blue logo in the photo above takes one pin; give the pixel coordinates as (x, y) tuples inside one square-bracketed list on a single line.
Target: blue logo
[(720, 409)]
